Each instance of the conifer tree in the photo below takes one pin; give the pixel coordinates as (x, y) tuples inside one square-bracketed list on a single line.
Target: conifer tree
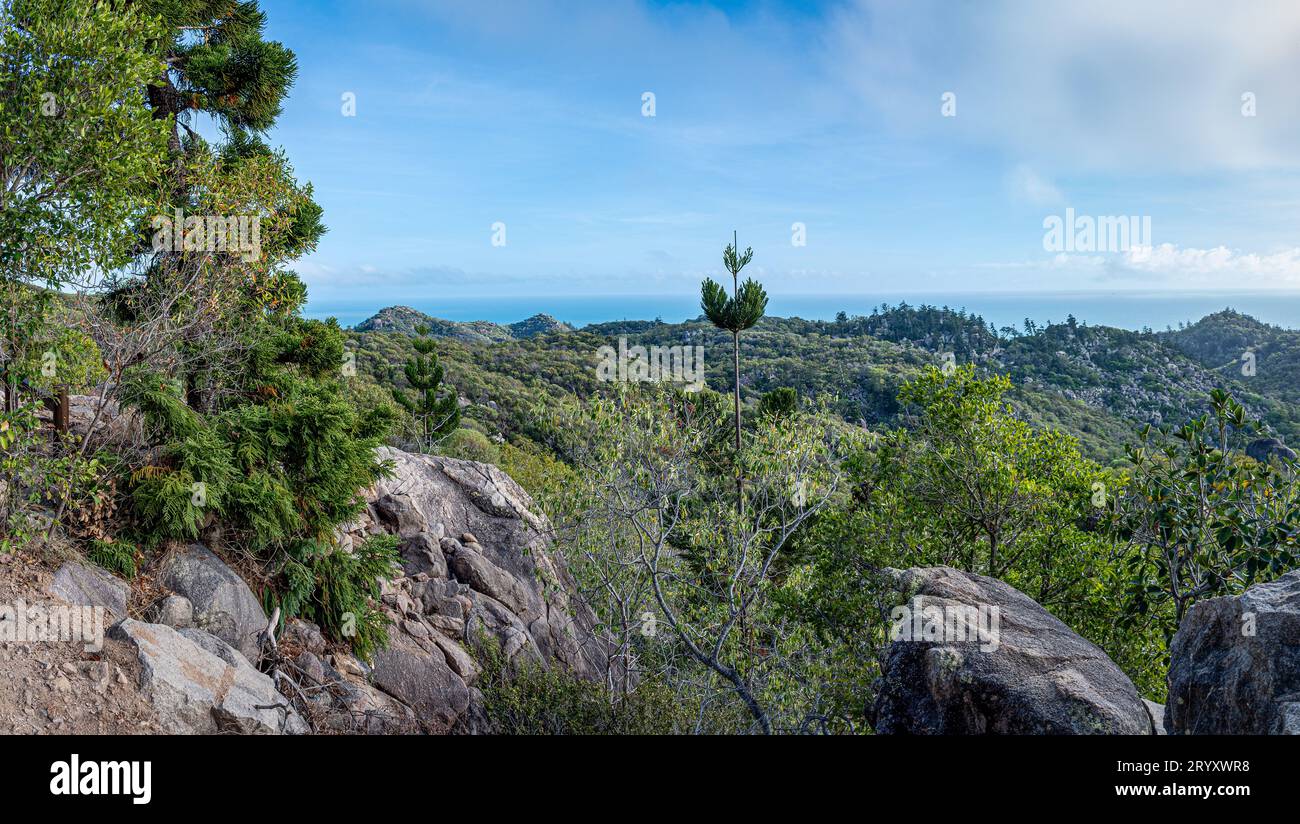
[(218, 64), (436, 417), (735, 313)]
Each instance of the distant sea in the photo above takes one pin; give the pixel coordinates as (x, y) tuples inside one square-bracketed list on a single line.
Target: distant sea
[(1126, 310)]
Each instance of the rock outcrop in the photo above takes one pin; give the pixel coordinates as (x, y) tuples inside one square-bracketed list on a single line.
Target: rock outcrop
[(407, 321), (1022, 672), (1235, 664), (478, 565), (478, 568)]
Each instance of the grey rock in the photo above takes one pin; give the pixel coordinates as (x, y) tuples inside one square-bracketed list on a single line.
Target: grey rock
[(80, 584), (175, 611), (504, 555), (214, 645), (423, 681), (421, 553), (199, 684), (222, 603), (401, 514), (1234, 664), (1040, 678), (458, 659), (1157, 713), (305, 634), (1266, 448), (311, 666), (475, 569)]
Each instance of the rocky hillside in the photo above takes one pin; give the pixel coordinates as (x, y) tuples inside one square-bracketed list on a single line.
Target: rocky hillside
[(405, 320), (190, 649)]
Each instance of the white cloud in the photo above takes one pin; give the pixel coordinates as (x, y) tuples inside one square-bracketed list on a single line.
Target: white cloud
[(1103, 85), (1167, 265)]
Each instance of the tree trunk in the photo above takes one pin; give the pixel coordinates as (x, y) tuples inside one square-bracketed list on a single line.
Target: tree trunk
[(735, 365), (58, 406)]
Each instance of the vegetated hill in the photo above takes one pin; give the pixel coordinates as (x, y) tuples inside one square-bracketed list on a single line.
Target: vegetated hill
[(405, 320), (539, 324), (1096, 383), (1262, 357)]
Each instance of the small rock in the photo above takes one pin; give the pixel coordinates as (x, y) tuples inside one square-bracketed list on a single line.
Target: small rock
[(306, 634), (349, 664), (311, 666), (82, 585), (175, 611)]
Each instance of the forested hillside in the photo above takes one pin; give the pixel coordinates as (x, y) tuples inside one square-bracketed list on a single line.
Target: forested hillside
[(1095, 383)]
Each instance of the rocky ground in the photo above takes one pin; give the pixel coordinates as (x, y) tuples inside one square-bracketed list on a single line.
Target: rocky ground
[(59, 688), (188, 649)]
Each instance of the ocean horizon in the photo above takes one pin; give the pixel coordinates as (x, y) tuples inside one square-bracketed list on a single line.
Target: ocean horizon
[(1121, 309)]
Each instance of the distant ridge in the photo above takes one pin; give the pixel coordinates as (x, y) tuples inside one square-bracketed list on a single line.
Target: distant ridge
[(405, 320)]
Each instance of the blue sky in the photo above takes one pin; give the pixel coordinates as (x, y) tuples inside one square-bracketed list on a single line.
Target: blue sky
[(769, 114)]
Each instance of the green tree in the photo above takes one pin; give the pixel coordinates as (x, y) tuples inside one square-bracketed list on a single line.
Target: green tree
[(779, 403), (648, 483), (734, 313), (78, 153), (966, 483), (1202, 519), (435, 417), (217, 63)]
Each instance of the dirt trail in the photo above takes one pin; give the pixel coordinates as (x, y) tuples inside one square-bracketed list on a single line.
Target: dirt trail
[(56, 687)]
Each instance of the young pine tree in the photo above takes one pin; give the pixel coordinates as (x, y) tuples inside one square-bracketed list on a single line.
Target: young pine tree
[(735, 313), (435, 417)]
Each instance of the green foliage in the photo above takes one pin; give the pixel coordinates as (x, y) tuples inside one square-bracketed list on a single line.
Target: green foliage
[(470, 445), (61, 356), (734, 313), (779, 403), (435, 417), (1203, 520), (231, 73), (337, 589), (23, 473), (654, 530), (529, 700), (115, 556), (71, 77), (968, 485)]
